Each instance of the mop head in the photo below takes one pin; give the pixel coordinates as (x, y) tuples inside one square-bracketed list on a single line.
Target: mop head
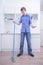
[(13, 59)]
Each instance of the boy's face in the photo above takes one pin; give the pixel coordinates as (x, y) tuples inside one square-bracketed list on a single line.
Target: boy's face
[(23, 12)]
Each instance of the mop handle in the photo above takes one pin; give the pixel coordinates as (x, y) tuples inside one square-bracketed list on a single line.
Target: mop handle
[(13, 44)]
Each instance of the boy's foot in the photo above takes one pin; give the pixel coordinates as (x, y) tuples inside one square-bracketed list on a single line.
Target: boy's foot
[(31, 55), (19, 55)]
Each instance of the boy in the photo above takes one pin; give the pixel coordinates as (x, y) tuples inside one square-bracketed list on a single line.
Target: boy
[(25, 31)]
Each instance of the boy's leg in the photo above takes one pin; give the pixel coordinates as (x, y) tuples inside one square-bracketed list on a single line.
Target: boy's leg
[(22, 42), (28, 38)]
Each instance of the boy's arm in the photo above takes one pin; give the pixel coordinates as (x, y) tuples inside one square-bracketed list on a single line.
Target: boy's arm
[(33, 26), (16, 22), (19, 22)]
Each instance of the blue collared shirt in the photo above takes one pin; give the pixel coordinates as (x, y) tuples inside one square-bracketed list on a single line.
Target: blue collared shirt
[(26, 21)]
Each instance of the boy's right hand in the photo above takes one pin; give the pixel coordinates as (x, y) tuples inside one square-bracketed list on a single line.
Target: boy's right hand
[(13, 21), (16, 22)]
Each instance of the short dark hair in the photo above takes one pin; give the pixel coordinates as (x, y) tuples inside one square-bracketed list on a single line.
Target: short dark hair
[(23, 8)]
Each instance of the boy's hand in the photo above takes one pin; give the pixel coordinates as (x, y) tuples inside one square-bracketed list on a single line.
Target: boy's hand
[(33, 26), (13, 21), (16, 22)]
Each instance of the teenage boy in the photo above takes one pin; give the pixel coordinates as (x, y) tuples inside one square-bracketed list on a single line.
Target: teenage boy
[(25, 20)]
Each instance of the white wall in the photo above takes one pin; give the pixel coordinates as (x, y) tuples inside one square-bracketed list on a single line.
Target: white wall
[(12, 6), (41, 26), (15, 6), (32, 6), (1, 17)]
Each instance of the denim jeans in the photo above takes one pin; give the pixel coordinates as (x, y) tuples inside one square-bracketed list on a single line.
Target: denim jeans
[(28, 38)]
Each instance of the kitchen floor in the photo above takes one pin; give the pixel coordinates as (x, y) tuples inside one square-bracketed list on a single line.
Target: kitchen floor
[(5, 58)]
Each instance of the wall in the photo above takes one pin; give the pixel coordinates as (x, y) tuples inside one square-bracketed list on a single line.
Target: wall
[(12, 6), (41, 26)]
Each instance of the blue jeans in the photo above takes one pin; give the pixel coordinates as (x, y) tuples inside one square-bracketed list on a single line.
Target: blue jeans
[(28, 38)]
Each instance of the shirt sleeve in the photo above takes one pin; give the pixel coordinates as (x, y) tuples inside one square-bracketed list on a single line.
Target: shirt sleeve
[(20, 20), (30, 20)]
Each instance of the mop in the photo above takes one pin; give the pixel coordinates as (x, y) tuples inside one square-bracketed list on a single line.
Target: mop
[(13, 57)]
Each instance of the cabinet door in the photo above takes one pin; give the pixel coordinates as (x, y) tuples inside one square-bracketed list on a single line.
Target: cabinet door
[(7, 41), (35, 41), (0, 42)]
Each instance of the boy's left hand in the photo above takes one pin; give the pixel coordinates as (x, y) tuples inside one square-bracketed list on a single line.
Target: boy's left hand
[(33, 26)]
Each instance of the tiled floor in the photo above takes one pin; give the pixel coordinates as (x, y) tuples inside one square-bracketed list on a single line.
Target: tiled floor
[(5, 59)]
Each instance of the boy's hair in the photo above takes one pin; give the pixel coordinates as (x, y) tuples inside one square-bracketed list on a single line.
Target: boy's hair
[(23, 8)]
